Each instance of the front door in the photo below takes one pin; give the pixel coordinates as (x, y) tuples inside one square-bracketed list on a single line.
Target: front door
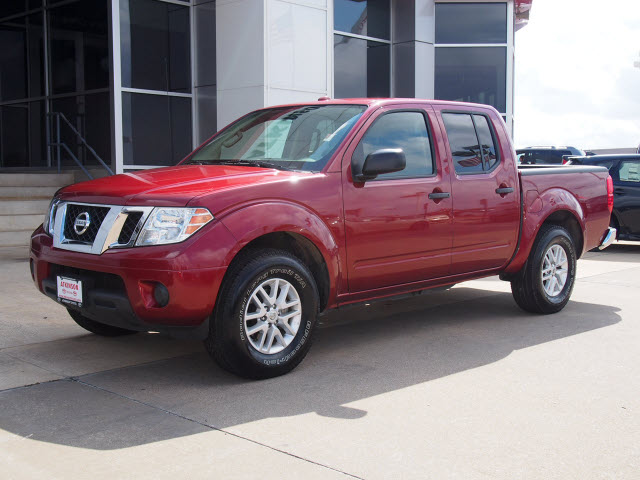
[(395, 233)]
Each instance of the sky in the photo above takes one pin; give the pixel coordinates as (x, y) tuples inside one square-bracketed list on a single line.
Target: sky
[(575, 80)]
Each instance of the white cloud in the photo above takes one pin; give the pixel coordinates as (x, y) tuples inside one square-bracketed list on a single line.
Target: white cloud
[(575, 83)]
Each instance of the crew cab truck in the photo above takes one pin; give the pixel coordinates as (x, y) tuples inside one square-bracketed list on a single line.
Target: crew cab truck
[(296, 209)]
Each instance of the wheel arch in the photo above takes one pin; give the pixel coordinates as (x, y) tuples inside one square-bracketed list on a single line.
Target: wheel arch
[(301, 247), (304, 234), (569, 221), (555, 207)]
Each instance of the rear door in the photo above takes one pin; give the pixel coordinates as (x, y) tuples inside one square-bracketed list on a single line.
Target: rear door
[(627, 195), (395, 233), (484, 189)]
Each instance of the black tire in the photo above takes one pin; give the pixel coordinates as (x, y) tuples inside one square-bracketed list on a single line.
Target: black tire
[(98, 328), (527, 287), (228, 342)]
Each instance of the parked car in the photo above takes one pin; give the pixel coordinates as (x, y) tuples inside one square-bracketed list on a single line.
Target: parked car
[(295, 209), (625, 172), (545, 155)]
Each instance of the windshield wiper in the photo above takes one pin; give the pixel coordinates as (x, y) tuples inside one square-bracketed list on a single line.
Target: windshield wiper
[(242, 163)]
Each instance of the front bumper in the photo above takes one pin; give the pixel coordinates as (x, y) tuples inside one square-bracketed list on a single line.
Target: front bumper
[(118, 285), (608, 239)]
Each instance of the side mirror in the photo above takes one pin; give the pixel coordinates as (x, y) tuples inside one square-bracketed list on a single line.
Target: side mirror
[(386, 160)]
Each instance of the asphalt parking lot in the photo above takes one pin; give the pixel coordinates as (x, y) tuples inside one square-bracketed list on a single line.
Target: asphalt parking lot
[(454, 384)]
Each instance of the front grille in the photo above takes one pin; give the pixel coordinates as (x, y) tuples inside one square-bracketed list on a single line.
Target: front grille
[(96, 217), (129, 227)]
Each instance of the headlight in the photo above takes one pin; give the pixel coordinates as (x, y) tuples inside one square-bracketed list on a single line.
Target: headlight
[(172, 225), (50, 217)]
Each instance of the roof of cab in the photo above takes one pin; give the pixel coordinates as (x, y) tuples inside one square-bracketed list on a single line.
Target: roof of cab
[(381, 102)]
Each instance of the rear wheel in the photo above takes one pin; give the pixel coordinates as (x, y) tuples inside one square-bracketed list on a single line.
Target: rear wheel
[(546, 282), (265, 315), (98, 328)]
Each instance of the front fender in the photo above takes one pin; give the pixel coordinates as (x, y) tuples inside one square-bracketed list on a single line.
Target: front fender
[(537, 209), (253, 221)]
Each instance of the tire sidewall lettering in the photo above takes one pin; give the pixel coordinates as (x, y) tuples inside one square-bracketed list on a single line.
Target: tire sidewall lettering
[(301, 285)]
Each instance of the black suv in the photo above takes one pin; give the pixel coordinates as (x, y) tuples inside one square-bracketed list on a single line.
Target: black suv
[(545, 155), (625, 172)]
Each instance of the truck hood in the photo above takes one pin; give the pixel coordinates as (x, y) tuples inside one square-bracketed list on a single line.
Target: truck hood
[(171, 186)]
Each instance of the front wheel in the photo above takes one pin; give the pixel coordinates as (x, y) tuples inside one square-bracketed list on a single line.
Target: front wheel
[(547, 280), (265, 315)]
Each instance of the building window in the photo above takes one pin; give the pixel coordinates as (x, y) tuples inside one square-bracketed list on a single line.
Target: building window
[(362, 48), (472, 74), (68, 43), (155, 39), (155, 46), (471, 23), (156, 129), (471, 53)]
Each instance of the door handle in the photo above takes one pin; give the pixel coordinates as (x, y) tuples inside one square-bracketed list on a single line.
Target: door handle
[(439, 195), (504, 190)]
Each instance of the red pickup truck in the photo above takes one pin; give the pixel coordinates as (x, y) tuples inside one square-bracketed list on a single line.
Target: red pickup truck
[(296, 209)]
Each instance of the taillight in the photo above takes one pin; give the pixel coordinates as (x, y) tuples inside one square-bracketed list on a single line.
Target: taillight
[(610, 193), (564, 161)]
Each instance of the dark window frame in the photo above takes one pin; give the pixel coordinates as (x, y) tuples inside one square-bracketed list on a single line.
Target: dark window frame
[(496, 144), (425, 117)]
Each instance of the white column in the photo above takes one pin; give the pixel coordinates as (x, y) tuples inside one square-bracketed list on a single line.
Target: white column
[(297, 53), (271, 52), (239, 58), (510, 64), (117, 89)]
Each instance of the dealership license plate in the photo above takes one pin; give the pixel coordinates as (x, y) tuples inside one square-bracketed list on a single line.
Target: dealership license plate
[(70, 291)]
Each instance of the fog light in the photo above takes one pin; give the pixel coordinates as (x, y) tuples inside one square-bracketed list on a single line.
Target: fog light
[(154, 294), (161, 295)]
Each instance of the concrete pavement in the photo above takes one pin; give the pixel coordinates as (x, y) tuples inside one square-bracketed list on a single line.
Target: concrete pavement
[(455, 384)]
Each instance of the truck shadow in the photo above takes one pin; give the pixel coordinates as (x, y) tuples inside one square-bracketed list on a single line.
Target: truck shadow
[(359, 353)]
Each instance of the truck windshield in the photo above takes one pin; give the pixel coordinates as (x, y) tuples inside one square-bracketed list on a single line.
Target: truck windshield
[(298, 138)]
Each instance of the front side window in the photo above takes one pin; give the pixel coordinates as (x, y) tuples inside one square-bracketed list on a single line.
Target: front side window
[(404, 130), (629, 171), (472, 145), (299, 138)]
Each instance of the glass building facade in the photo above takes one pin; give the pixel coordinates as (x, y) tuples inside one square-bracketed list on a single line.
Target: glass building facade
[(142, 82), (471, 53)]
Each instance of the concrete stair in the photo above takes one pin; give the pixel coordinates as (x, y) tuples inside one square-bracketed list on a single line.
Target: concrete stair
[(24, 198)]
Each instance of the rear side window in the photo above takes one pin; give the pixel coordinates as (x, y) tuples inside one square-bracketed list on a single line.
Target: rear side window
[(405, 130), (629, 171), (466, 134), (486, 141)]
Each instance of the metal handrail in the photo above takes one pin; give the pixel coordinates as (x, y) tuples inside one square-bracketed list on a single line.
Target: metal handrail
[(59, 144)]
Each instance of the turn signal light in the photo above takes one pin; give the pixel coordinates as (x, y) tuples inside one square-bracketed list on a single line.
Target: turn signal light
[(200, 217)]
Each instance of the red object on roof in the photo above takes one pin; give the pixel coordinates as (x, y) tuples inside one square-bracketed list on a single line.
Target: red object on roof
[(523, 7)]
